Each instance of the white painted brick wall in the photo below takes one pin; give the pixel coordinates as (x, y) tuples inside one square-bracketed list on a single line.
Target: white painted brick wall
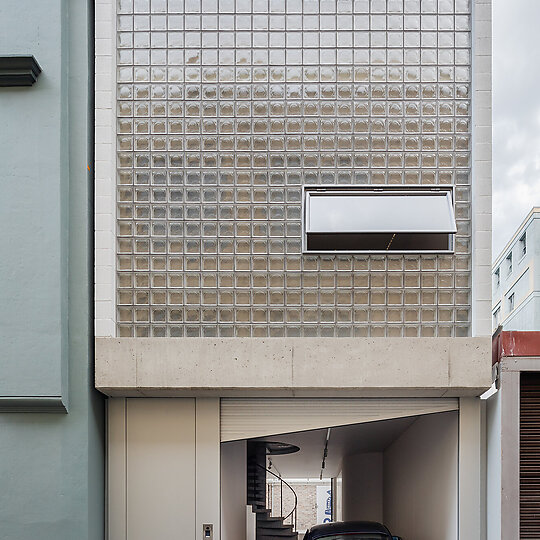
[(104, 170), (482, 168)]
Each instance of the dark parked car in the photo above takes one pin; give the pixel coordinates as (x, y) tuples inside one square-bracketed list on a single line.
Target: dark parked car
[(350, 530)]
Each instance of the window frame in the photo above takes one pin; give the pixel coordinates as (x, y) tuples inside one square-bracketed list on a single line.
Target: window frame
[(497, 274), (523, 245), (497, 317), (509, 263), (397, 188), (511, 302)]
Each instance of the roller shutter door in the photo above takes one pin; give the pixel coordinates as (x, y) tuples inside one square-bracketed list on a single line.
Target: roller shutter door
[(248, 418), (529, 478)]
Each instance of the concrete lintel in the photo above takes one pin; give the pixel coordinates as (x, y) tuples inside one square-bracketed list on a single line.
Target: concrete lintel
[(520, 363), (277, 367), (251, 392)]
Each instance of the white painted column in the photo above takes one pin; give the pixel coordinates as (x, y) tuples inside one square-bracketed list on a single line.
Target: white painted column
[(481, 167), (493, 466), (207, 466), (470, 470), (510, 396), (105, 168)]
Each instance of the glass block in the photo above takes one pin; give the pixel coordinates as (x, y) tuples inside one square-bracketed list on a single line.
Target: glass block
[(225, 109)]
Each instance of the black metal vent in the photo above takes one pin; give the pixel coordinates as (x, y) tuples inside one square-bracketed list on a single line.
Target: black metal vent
[(18, 70), (529, 480)]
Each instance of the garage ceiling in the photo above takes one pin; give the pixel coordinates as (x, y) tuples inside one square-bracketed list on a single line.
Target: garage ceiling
[(344, 440)]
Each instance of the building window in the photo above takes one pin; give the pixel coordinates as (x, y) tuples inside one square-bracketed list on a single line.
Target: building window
[(378, 219), (511, 302), (509, 264), (523, 244), (497, 277), (496, 318)]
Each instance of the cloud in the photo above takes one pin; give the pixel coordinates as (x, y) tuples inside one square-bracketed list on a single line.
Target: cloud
[(516, 115)]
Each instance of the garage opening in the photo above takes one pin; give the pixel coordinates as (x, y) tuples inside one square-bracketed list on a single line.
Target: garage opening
[(399, 471)]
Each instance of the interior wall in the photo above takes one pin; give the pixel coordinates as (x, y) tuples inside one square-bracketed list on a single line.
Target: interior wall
[(362, 487), (421, 480), (339, 497), (233, 490)]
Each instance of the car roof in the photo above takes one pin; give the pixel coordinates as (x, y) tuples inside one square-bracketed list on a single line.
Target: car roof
[(338, 527)]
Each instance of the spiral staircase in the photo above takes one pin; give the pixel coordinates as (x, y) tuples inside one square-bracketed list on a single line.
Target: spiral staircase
[(268, 527)]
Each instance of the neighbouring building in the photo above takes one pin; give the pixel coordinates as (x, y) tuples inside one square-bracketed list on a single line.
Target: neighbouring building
[(516, 278), (513, 445), (513, 404), (51, 417), (292, 257)]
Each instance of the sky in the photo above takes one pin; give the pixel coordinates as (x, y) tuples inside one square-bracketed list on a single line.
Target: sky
[(516, 115)]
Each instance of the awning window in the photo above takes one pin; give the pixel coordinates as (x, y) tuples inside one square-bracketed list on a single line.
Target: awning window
[(380, 219)]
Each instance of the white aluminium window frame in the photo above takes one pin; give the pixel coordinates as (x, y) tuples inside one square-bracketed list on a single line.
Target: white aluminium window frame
[(497, 275), (523, 245), (509, 263), (338, 210), (511, 302)]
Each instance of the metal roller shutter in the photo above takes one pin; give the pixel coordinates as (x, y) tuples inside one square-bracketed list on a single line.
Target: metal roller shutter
[(248, 418), (529, 455)]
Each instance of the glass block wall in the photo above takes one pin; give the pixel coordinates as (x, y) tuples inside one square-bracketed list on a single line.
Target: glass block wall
[(227, 107)]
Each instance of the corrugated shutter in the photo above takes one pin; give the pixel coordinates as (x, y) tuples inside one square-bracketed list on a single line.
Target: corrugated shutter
[(529, 466), (248, 418)]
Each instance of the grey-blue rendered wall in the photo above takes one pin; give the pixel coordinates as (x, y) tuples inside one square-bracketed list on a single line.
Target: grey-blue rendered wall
[(51, 419)]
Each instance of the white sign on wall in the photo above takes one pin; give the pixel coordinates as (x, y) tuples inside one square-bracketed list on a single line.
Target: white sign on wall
[(324, 504)]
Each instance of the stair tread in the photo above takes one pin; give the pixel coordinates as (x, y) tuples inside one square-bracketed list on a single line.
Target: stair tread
[(282, 533), (272, 535), (275, 537)]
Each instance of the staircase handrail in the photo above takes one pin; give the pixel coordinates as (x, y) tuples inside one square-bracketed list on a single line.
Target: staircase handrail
[(293, 513)]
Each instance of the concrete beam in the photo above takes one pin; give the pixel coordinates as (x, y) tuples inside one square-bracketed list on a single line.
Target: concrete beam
[(277, 367)]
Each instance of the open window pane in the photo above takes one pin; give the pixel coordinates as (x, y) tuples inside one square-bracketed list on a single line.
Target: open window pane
[(378, 242), (383, 219), (370, 212)]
